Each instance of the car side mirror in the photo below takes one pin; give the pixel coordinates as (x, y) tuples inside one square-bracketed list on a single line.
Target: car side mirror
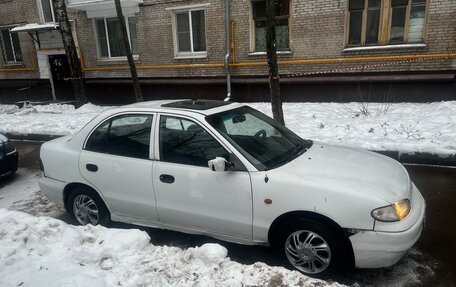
[(219, 164)]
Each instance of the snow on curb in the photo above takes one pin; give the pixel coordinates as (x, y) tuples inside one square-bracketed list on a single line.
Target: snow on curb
[(42, 251)]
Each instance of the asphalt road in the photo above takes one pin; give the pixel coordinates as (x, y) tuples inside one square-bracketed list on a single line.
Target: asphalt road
[(437, 243)]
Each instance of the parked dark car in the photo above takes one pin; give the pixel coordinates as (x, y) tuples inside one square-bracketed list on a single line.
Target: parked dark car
[(8, 157)]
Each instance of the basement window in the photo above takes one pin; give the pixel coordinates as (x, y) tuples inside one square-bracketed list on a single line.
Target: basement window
[(110, 40), (11, 49)]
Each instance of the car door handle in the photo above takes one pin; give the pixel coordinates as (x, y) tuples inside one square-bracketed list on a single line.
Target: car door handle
[(92, 167), (166, 178)]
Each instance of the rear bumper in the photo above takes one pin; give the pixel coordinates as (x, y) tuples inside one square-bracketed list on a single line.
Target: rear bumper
[(375, 249), (52, 189), (8, 163)]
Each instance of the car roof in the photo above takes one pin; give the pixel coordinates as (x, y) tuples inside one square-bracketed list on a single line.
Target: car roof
[(204, 107)]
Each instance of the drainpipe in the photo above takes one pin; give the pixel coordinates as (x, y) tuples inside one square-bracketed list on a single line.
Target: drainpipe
[(228, 55)]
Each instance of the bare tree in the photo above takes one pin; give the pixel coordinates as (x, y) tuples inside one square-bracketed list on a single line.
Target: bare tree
[(131, 62), (274, 84), (77, 76)]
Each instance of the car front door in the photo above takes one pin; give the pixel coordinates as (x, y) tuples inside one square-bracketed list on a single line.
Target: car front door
[(189, 194), (116, 159)]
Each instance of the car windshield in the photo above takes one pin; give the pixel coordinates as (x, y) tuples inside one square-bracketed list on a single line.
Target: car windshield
[(263, 141)]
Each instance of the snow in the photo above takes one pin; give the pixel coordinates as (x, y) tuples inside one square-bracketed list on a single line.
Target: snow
[(53, 119), (35, 27), (403, 127), (36, 249), (43, 251)]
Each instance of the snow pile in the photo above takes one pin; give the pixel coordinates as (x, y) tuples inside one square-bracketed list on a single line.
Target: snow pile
[(53, 119), (42, 251), (403, 127), (4, 109)]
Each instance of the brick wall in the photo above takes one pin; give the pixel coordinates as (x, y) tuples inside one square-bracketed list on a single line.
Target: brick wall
[(317, 31), (18, 12)]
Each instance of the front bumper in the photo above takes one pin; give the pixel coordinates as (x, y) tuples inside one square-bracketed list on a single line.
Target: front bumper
[(8, 163), (376, 249)]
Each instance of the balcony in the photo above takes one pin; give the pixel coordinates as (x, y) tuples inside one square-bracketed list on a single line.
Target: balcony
[(104, 8)]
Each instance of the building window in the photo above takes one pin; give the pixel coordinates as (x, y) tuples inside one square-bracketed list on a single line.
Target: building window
[(110, 40), (407, 20), (282, 15), (11, 48), (381, 22), (48, 11), (190, 32)]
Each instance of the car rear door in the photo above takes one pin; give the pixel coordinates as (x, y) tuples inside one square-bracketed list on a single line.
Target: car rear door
[(116, 159), (189, 194)]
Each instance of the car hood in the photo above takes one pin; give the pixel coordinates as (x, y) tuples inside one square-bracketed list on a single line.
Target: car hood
[(344, 169)]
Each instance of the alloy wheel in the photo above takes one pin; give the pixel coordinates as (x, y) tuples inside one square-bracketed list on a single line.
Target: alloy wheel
[(85, 210), (308, 252)]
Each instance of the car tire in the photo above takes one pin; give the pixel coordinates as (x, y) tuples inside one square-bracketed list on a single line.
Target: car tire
[(313, 248), (86, 207)]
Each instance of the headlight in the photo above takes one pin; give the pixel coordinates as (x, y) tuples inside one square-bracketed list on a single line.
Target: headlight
[(9, 148), (394, 212)]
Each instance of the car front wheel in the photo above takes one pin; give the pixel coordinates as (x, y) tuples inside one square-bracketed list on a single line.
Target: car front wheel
[(87, 208), (313, 248)]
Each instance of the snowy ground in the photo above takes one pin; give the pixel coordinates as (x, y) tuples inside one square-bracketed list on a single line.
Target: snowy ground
[(38, 250), (404, 127)]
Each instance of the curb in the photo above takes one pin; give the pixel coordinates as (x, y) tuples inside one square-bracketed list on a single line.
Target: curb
[(407, 158), (420, 158), (31, 137)]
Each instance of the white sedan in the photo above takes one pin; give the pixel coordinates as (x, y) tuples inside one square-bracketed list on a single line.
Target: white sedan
[(226, 170)]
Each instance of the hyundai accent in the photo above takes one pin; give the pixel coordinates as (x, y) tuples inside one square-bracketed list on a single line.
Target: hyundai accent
[(228, 171)]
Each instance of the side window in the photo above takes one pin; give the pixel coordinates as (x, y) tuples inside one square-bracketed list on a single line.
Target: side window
[(127, 135), (185, 142)]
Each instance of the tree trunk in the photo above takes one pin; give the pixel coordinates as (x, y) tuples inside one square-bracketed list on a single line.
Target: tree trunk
[(131, 62), (274, 85), (77, 76)]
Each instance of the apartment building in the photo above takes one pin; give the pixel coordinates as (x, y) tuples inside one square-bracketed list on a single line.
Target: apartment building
[(328, 50)]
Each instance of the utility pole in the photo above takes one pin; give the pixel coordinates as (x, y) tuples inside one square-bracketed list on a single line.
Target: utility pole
[(131, 62), (274, 85), (77, 77)]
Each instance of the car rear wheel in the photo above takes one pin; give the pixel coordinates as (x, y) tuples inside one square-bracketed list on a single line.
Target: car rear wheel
[(313, 248), (86, 207)]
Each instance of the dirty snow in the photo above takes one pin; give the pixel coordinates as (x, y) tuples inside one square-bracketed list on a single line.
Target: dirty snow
[(404, 127), (43, 251)]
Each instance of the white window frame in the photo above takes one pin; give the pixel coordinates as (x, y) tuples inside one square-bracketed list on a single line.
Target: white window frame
[(192, 54), (15, 62), (40, 4), (94, 25)]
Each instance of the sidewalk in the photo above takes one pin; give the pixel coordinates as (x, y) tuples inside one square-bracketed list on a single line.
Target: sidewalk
[(405, 158)]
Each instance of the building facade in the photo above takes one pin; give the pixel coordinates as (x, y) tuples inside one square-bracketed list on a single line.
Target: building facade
[(328, 50)]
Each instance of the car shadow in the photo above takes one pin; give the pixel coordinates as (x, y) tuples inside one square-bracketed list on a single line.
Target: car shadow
[(7, 179)]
